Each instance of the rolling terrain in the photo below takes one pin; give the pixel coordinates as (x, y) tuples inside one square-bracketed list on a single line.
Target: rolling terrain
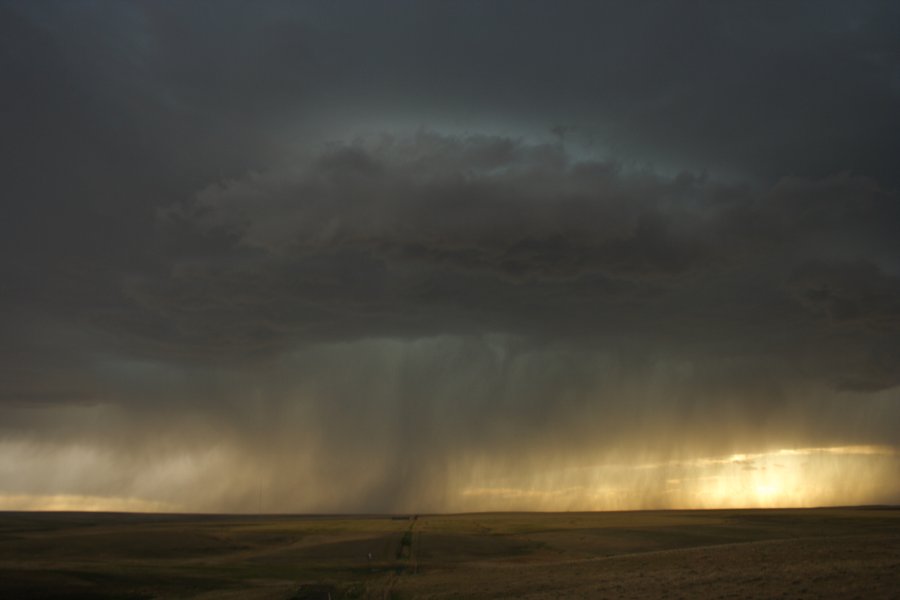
[(808, 553)]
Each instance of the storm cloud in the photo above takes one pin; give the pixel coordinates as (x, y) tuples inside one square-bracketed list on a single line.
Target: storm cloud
[(448, 256)]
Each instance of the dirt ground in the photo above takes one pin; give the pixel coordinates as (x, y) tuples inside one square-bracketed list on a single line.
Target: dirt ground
[(812, 553)]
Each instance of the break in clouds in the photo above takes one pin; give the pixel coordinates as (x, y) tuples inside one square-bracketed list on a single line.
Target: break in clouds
[(318, 257)]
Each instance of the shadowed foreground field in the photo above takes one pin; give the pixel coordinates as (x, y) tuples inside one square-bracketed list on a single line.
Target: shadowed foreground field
[(813, 553)]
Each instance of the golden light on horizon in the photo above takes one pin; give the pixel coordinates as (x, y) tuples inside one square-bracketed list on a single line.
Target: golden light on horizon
[(83, 503), (226, 480), (784, 478)]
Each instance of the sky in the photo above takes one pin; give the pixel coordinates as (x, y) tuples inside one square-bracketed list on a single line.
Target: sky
[(357, 256)]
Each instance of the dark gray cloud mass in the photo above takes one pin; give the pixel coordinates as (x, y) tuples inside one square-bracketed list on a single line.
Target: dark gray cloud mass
[(437, 256)]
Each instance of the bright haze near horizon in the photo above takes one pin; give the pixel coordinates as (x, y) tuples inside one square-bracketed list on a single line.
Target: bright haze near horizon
[(449, 256)]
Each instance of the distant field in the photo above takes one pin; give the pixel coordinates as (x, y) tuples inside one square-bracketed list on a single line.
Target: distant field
[(812, 553)]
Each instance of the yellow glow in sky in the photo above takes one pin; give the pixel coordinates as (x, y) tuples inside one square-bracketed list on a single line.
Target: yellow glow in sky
[(223, 480), (804, 477)]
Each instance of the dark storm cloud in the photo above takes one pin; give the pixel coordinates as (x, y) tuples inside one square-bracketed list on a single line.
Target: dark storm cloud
[(861, 305), (800, 88), (435, 235), (446, 231), (857, 295)]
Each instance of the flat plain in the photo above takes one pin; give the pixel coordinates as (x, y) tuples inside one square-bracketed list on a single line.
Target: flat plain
[(805, 553)]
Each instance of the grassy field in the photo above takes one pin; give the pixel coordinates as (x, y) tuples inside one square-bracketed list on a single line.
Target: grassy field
[(812, 553)]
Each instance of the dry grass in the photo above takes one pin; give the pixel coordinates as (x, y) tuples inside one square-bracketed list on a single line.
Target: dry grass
[(816, 553)]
